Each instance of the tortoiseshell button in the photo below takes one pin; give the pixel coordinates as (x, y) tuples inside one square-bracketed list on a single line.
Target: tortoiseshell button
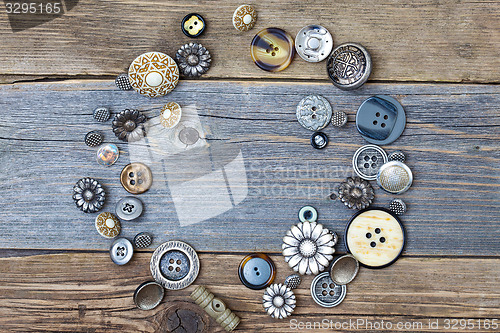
[(107, 225), (314, 43), (257, 271), (244, 18), (272, 49), (193, 25), (136, 178)]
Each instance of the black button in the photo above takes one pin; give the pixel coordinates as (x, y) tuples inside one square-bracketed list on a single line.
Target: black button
[(257, 271), (319, 140), (193, 25)]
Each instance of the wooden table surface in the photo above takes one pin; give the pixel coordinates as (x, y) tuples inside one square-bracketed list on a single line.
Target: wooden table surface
[(440, 59)]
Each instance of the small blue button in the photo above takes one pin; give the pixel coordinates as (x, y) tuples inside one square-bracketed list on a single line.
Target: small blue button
[(256, 271)]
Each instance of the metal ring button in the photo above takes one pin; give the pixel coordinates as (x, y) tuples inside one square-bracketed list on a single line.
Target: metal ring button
[(244, 18), (314, 112), (375, 237), (325, 292), (272, 49), (108, 154), (308, 213), (121, 251), (394, 177), (349, 66), (107, 225), (367, 161), (148, 295), (314, 43), (257, 271), (193, 25), (344, 269), (175, 265), (136, 178), (129, 208), (319, 140)]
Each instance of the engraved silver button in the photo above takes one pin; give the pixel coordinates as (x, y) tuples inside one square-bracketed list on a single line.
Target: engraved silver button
[(314, 43), (367, 160), (325, 292), (121, 251), (129, 208), (314, 112), (394, 177), (349, 66)]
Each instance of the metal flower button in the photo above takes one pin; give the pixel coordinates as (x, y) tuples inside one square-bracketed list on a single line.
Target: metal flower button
[(193, 59), (89, 196), (128, 125)]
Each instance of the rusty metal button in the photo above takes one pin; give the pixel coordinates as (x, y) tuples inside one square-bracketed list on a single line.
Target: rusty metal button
[(107, 225), (148, 295), (314, 43), (325, 292), (257, 271), (129, 208), (136, 178), (344, 269), (121, 251)]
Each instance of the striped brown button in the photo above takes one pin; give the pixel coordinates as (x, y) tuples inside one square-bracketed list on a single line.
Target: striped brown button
[(136, 178)]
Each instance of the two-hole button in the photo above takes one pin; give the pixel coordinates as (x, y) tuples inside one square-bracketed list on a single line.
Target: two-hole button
[(257, 271)]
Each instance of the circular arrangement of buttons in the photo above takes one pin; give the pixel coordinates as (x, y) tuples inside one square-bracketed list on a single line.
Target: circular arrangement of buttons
[(122, 82), (148, 295), (272, 49), (375, 237), (175, 265), (153, 74), (121, 251), (314, 112), (170, 115), (129, 208), (319, 140), (108, 154), (339, 119), (397, 155), (257, 271), (143, 240), (397, 206), (193, 59), (107, 225), (314, 43), (394, 177), (380, 119), (88, 194), (244, 18), (367, 161), (136, 178), (308, 213), (193, 25), (325, 292), (101, 114), (344, 269), (93, 139), (349, 66)]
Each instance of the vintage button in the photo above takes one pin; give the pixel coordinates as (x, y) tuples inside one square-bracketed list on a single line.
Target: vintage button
[(244, 18), (293, 281), (279, 301), (193, 25), (319, 140), (375, 237), (314, 112), (121, 251), (107, 225), (308, 213), (107, 154), (339, 119), (215, 308), (394, 177), (170, 115), (89, 196), (143, 240), (93, 139), (344, 269), (128, 208), (367, 160), (136, 178), (380, 120), (325, 292), (153, 74), (148, 295), (272, 49), (122, 82), (356, 193), (397, 155), (257, 271), (193, 59), (128, 125), (175, 265), (349, 66), (397, 206), (314, 43), (101, 114)]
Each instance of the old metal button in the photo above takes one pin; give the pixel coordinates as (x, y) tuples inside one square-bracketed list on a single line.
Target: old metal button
[(339, 119), (279, 301), (153, 74), (128, 208), (257, 271), (121, 251), (344, 269), (175, 265), (314, 112), (394, 177), (107, 225), (122, 82), (148, 295), (314, 43), (397, 155), (143, 240), (293, 281), (375, 237), (397, 206), (193, 25), (349, 66), (89, 196), (193, 59), (367, 160), (380, 120), (319, 140), (93, 139), (325, 292), (356, 193), (272, 49), (101, 114), (244, 18), (136, 178), (128, 125), (308, 213), (108, 154)]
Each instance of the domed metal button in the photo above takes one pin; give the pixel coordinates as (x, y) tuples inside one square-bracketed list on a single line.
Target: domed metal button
[(367, 160), (394, 177), (349, 66), (314, 43), (153, 74), (129, 208), (148, 295), (308, 213), (397, 155), (143, 240), (325, 292), (101, 114), (397, 206), (344, 269), (108, 154), (339, 119), (380, 120), (93, 139), (244, 18), (272, 49), (257, 271), (121, 251), (122, 82), (314, 112), (193, 25), (319, 140), (136, 178), (375, 237), (107, 225)]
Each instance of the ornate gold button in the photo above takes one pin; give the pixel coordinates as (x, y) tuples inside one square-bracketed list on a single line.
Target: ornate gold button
[(170, 115), (244, 18), (107, 225), (136, 178)]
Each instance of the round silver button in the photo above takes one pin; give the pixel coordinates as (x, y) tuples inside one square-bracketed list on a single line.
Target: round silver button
[(129, 208), (349, 66), (367, 161), (314, 112), (314, 43), (325, 292), (121, 251), (394, 177)]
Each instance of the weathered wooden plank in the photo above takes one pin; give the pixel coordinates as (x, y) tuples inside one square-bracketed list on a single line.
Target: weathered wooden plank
[(448, 40), (86, 292), (451, 140)]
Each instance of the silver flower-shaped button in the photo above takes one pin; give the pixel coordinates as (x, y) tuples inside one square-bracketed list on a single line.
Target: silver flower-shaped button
[(279, 301), (193, 59), (88, 194)]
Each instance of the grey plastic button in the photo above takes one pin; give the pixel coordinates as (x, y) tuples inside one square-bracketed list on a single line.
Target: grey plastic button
[(121, 251), (367, 160), (148, 295), (314, 112), (256, 271), (397, 155), (325, 292), (314, 43), (308, 213), (394, 177), (380, 120), (143, 240), (102, 114), (344, 269), (349, 66), (129, 208)]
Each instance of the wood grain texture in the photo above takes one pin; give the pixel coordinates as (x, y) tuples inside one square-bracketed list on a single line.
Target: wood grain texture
[(451, 40), (78, 292), (451, 140)]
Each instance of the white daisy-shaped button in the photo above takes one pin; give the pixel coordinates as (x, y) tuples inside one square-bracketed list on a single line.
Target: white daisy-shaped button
[(279, 301)]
